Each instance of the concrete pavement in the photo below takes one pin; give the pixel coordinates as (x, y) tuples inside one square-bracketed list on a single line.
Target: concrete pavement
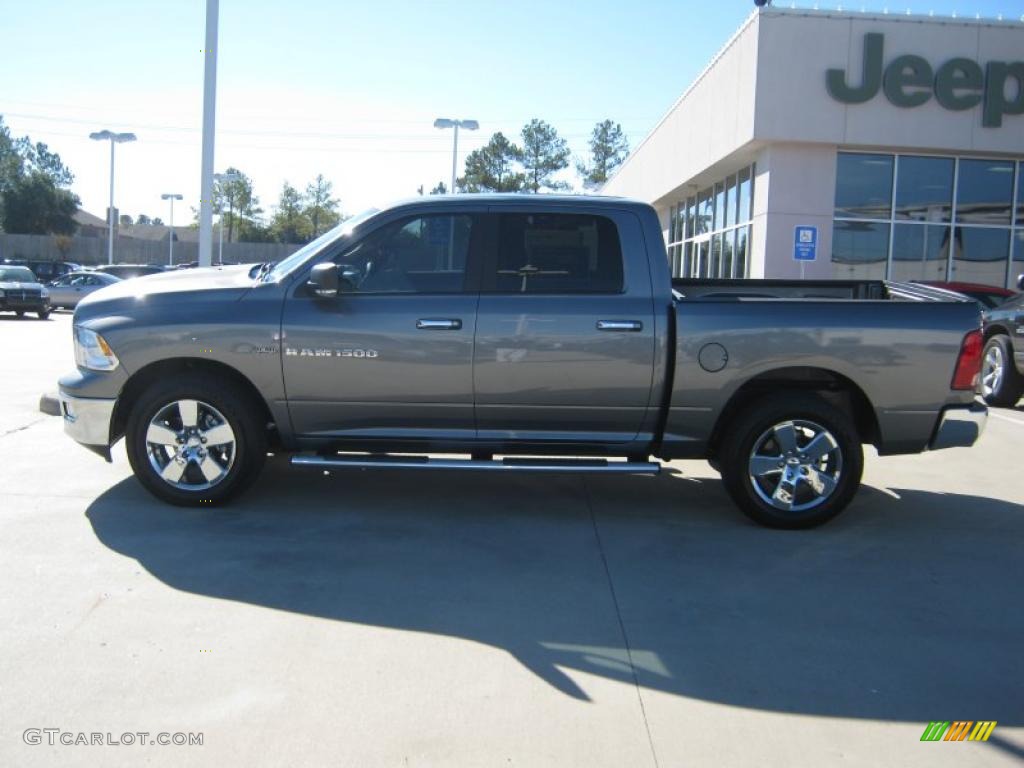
[(389, 618)]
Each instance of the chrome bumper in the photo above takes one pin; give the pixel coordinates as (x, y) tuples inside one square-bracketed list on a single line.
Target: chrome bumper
[(87, 420), (959, 426)]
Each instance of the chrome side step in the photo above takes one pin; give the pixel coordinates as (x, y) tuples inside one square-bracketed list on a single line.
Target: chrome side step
[(358, 461)]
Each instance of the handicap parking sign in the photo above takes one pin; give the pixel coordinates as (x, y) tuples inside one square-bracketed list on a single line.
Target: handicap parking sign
[(805, 243)]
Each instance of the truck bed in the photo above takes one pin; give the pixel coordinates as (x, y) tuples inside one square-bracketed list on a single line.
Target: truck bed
[(697, 289)]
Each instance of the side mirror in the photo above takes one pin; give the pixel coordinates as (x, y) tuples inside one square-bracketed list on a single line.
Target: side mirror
[(324, 281), (1020, 282)]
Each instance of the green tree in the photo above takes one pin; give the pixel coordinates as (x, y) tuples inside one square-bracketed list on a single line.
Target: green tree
[(235, 201), (608, 150), (32, 198), (440, 189), (492, 168), (34, 205), (321, 208), (544, 154), (290, 224), (125, 220), (157, 222), (143, 219)]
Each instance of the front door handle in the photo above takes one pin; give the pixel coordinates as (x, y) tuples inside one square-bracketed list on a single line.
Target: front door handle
[(619, 325), (439, 324)]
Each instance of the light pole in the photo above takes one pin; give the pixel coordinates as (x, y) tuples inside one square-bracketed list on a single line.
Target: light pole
[(209, 127), (113, 138), (469, 125), (170, 243), (220, 178)]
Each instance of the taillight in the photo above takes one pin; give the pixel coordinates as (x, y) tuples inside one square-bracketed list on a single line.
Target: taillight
[(968, 364)]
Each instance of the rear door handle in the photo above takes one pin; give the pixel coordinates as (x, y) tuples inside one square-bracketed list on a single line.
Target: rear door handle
[(619, 325), (438, 324)]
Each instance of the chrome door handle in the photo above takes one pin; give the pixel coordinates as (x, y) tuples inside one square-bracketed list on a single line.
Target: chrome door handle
[(428, 324), (619, 325)]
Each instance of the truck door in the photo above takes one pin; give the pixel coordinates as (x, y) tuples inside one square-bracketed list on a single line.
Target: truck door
[(391, 356), (565, 328)]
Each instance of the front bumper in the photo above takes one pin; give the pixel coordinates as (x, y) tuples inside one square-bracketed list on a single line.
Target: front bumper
[(959, 426), (31, 304), (87, 421)]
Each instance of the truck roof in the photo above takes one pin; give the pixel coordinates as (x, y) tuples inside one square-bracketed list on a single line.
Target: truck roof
[(513, 197)]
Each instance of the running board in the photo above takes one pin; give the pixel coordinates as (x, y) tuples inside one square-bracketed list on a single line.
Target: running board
[(504, 465)]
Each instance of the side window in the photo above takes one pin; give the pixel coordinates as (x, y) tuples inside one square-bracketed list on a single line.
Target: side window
[(557, 253), (62, 282), (92, 280), (426, 254)]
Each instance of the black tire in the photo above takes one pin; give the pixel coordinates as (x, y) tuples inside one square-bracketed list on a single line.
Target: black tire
[(19, 313), (820, 489), (1005, 386), (43, 314), (217, 400)]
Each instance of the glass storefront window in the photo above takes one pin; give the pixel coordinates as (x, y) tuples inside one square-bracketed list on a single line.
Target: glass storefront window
[(742, 238), (984, 190), (980, 255), (860, 250), (719, 206), (1020, 194), (730, 201), (727, 248), (864, 186), (705, 212), (924, 188), (709, 229), (1017, 265), (745, 189), (919, 252)]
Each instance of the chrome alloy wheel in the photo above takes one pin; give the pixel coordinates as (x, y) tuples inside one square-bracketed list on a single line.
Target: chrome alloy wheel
[(992, 371), (190, 445), (795, 465)]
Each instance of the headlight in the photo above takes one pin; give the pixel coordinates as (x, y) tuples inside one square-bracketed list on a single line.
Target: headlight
[(92, 351)]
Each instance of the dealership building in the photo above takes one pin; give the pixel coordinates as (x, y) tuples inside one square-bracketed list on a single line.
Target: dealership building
[(845, 145)]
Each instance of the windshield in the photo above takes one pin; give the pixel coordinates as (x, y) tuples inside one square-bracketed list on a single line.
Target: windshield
[(285, 266), (17, 275)]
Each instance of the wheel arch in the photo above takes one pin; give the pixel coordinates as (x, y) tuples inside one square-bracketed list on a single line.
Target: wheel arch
[(139, 381), (833, 387)]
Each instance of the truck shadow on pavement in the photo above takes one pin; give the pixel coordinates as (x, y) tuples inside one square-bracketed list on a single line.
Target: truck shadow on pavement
[(902, 609)]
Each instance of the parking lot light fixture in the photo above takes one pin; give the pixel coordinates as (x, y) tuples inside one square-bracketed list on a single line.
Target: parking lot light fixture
[(113, 138), (172, 196), (469, 125)]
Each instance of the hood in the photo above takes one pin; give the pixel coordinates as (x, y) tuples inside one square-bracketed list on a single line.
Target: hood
[(16, 285), (169, 288)]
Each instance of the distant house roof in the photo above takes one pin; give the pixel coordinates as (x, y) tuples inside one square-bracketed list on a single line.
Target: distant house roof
[(86, 219)]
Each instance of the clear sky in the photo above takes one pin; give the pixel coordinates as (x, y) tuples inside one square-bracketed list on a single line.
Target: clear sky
[(349, 89)]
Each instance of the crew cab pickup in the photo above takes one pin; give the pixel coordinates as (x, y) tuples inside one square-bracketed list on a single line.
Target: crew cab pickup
[(518, 333)]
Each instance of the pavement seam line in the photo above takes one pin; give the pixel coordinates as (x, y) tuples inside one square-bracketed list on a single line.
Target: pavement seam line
[(618, 615), (24, 427)]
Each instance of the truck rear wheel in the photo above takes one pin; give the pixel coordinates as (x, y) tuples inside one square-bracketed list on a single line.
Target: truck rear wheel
[(1001, 384), (195, 441), (791, 461)]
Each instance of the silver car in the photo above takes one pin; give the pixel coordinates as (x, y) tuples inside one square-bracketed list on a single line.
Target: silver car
[(68, 290)]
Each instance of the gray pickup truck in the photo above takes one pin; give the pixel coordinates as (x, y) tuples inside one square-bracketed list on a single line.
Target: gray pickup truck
[(444, 332)]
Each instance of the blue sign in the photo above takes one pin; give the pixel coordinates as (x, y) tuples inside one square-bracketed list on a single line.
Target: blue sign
[(805, 243)]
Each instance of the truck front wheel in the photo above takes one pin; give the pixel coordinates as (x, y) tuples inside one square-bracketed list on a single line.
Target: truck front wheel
[(195, 441), (791, 461)]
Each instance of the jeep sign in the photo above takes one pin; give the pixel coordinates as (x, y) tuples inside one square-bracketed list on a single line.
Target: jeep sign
[(958, 84)]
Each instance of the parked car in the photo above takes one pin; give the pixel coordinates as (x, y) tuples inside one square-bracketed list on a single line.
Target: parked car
[(45, 270), (127, 271), (21, 292), (988, 296), (67, 291), (1002, 369), (533, 328)]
